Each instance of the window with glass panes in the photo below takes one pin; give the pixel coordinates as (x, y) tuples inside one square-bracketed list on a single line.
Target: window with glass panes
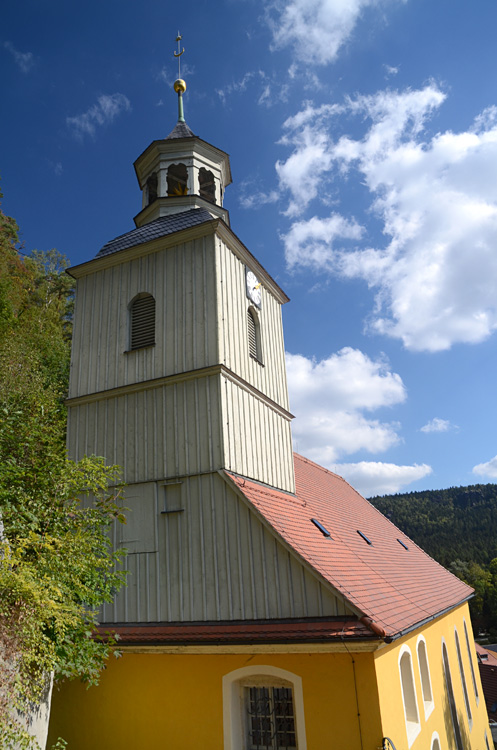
[(270, 718)]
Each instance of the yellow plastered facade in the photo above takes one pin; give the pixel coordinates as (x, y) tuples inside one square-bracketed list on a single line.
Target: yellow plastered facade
[(156, 701), (350, 700), (439, 720)]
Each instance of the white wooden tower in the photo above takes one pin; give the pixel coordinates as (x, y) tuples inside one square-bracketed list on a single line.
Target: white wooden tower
[(178, 373)]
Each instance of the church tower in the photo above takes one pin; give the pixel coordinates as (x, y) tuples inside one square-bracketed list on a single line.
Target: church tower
[(178, 373)]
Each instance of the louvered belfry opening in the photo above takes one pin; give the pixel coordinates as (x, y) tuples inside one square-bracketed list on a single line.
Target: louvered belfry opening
[(207, 186), (252, 334), (142, 322)]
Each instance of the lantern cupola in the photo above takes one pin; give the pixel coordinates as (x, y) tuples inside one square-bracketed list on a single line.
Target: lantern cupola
[(181, 171)]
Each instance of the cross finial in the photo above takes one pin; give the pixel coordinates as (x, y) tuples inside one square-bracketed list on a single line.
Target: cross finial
[(179, 84)]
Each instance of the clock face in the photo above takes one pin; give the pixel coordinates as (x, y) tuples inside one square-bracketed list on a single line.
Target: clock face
[(253, 288)]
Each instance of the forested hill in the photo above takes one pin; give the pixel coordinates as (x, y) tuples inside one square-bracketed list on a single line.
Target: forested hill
[(459, 523)]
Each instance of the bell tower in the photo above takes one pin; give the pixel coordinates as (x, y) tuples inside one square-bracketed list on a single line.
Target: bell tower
[(178, 375)]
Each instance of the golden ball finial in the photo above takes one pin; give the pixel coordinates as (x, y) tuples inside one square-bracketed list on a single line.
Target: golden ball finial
[(180, 85)]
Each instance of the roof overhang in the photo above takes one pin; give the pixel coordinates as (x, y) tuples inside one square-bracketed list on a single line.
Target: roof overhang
[(318, 634)]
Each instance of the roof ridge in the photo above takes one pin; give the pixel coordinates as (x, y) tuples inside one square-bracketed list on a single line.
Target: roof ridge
[(322, 468)]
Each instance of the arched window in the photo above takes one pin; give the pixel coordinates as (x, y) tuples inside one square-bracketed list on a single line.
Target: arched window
[(151, 188), (177, 180), (207, 187), (435, 741), (254, 335), (263, 709), (413, 724), (424, 671), (473, 678), (451, 699), (142, 321), (463, 680)]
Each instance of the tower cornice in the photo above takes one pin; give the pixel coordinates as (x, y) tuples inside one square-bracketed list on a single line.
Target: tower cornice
[(217, 226)]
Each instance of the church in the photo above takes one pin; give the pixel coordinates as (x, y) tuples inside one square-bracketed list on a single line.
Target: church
[(268, 605)]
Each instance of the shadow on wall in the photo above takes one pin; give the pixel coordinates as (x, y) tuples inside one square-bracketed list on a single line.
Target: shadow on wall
[(455, 725)]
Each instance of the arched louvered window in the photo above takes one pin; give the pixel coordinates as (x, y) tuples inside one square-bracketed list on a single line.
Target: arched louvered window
[(254, 335), (142, 322)]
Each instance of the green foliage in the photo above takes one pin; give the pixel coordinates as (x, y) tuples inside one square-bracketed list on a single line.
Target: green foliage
[(458, 527), (457, 523), (56, 562)]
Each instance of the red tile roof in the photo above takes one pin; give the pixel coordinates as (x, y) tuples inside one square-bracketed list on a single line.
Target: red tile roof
[(488, 675), (396, 587), (281, 631)]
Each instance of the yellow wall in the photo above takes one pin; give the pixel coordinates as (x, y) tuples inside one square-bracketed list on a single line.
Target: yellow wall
[(174, 702), (391, 704)]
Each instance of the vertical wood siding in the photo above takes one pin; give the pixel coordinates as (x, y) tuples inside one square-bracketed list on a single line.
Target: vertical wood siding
[(270, 377), (257, 439), (213, 561), (182, 281), (171, 430)]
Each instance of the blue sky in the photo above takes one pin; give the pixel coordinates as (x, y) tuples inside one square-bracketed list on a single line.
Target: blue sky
[(363, 145)]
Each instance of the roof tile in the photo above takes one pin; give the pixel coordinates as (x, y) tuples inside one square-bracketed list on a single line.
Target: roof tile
[(395, 587), (158, 228)]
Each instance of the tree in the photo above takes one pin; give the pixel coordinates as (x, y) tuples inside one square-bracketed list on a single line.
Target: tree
[(56, 562)]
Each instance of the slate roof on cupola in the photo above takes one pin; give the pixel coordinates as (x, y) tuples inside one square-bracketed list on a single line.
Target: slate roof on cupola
[(180, 130), (371, 563), (158, 228)]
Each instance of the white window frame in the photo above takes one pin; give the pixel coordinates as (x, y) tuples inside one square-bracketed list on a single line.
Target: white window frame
[(435, 738), (233, 704), (426, 689), (413, 727)]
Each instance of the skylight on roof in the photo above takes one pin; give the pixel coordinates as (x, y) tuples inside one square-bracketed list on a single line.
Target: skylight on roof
[(321, 528), (402, 543), (364, 537)]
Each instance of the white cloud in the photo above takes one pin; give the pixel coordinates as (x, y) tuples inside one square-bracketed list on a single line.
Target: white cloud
[(270, 89), (390, 70), (25, 60), (372, 478), (436, 197), (303, 172), (329, 399), (488, 469), (315, 29), (437, 425), (107, 108), (251, 198), (312, 243)]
